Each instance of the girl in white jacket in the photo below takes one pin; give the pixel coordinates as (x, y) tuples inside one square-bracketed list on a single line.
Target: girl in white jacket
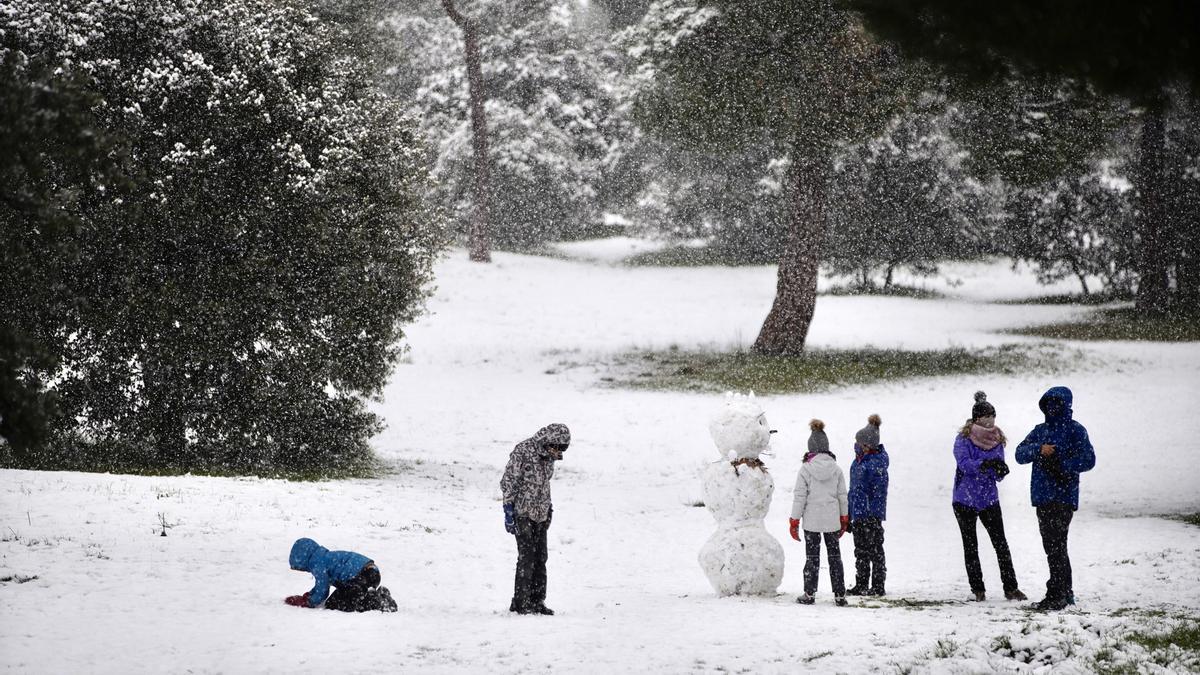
[(820, 502)]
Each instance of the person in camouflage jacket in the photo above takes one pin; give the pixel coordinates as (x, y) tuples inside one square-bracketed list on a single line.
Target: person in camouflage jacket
[(527, 512)]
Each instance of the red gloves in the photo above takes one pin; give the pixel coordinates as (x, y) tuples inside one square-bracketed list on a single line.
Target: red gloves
[(794, 528), (845, 526), (297, 600)]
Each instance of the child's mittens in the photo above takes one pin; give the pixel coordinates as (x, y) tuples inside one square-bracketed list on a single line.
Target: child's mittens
[(794, 528), (297, 600)]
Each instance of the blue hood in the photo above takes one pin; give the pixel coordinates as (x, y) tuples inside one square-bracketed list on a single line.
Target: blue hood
[(302, 554), (1062, 394)]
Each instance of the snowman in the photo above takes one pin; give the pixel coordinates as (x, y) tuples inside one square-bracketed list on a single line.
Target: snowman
[(740, 558)]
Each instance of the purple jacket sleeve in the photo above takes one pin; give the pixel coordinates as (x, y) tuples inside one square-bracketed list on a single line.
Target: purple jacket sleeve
[(967, 455)]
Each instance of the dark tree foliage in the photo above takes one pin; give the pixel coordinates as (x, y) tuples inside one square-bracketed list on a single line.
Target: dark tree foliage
[(245, 292), (1133, 49), (805, 73), (53, 163)]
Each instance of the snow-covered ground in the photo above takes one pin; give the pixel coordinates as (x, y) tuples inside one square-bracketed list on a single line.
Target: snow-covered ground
[(489, 365)]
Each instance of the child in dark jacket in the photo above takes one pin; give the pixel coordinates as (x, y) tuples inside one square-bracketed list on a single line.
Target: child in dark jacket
[(868, 509), (353, 575), (1059, 450), (979, 466)]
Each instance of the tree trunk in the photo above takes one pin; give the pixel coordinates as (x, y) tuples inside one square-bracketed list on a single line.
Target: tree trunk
[(166, 418), (786, 327), (887, 279), (1187, 224), (478, 238), (1152, 292)]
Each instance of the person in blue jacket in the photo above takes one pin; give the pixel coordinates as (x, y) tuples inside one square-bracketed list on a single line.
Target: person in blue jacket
[(354, 576), (868, 509), (1059, 450)]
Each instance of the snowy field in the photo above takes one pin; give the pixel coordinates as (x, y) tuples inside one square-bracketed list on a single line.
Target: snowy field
[(509, 347)]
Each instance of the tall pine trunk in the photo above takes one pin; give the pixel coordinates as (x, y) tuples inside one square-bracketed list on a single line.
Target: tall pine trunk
[(786, 327), (478, 238), (1152, 292)]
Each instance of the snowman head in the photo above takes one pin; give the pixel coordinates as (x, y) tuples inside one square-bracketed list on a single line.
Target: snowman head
[(739, 428)]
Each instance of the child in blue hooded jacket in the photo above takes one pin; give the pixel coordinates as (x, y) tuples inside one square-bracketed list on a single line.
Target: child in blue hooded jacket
[(868, 509), (354, 576), (1059, 450)]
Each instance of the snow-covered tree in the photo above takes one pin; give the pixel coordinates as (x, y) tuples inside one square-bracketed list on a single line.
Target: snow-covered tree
[(548, 104), (246, 291), (900, 200), (1077, 228)]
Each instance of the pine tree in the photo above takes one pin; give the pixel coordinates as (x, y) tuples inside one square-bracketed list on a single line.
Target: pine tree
[(720, 73)]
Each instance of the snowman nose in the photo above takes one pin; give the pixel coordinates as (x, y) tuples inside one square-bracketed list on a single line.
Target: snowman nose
[(774, 431)]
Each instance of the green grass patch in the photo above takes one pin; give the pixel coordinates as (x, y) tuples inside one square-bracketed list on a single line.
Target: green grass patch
[(1091, 299), (693, 256), (893, 291), (1189, 518), (1120, 324), (819, 370), (1185, 635)]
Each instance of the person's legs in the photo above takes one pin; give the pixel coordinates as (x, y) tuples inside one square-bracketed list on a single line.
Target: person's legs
[(878, 560), (835, 564), (354, 595), (993, 521), (1054, 521), (526, 554), (966, 517), (863, 549), (812, 561), (537, 584)]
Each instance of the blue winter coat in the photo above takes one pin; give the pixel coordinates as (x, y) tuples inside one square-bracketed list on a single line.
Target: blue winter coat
[(1056, 478), (336, 567), (869, 484)]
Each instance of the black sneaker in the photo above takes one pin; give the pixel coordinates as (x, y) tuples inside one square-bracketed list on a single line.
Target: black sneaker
[(877, 592), (858, 590), (840, 601), (1050, 605), (805, 599), (542, 609), (1015, 594), (979, 596)]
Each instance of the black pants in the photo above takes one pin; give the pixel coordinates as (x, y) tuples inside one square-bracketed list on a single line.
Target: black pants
[(1054, 522), (870, 567), (529, 587), (812, 563), (993, 522), (355, 595)]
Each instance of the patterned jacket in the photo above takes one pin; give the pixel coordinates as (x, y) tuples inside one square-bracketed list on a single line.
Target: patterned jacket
[(526, 481)]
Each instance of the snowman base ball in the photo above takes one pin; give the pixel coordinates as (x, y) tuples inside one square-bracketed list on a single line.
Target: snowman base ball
[(743, 561)]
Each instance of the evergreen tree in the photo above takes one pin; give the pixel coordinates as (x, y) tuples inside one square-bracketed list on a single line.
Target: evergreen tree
[(1141, 51), (548, 110), (900, 200), (246, 292)]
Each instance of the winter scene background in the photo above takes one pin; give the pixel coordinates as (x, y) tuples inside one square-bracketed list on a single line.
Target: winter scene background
[(277, 269)]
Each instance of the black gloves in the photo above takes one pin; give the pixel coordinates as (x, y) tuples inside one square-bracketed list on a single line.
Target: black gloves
[(998, 467)]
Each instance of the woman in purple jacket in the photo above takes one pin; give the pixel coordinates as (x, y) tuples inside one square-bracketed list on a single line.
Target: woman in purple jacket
[(979, 453)]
